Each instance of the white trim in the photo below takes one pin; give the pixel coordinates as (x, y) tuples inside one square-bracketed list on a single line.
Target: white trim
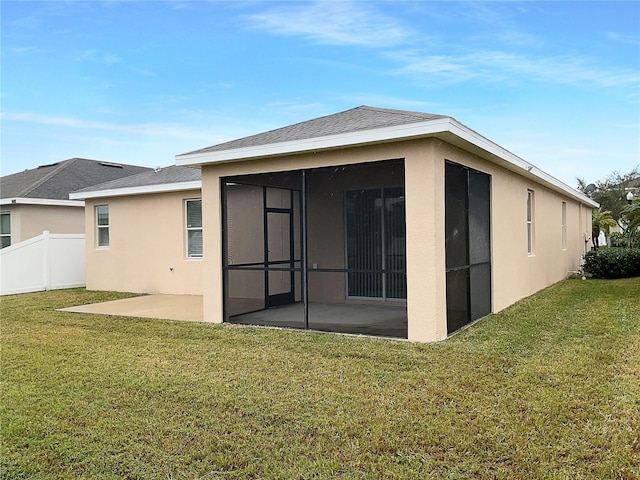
[(188, 229), (139, 190), (361, 137), (447, 128), (41, 201)]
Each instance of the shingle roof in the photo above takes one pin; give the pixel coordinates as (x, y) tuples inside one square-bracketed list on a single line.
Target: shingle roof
[(158, 176), (57, 180), (356, 119)]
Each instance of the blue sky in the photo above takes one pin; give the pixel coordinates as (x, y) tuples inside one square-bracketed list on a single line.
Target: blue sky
[(557, 83)]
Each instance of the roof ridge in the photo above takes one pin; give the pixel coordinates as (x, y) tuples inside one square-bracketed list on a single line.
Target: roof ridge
[(411, 113), (54, 172)]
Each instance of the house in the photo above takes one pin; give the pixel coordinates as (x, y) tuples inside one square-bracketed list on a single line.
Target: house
[(144, 232), (37, 199), (377, 221)]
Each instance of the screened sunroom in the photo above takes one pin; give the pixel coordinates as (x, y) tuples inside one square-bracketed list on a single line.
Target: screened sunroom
[(321, 249)]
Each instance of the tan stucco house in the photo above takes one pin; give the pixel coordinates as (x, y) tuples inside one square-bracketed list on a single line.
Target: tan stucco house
[(37, 199), (376, 221)]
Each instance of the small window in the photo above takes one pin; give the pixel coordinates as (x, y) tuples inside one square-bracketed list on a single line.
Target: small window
[(530, 222), (102, 225), (194, 228), (564, 225), (5, 229)]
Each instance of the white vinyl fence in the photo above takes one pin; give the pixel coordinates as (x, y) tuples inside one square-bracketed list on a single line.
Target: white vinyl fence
[(47, 262)]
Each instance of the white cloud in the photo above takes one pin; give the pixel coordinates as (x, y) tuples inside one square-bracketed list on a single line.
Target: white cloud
[(619, 37), (99, 57), (334, 23), (152, 129), (502, 66)]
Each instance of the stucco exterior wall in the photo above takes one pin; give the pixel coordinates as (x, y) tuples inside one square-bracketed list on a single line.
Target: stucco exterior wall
[(515, 273), (147, 246), (28, 221), (423, 182)]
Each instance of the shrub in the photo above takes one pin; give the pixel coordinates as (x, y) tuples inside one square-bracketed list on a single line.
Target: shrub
[(613, 262), (622, 239)]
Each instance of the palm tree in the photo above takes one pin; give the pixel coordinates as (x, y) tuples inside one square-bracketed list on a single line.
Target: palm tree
[(601, 221), (631, 214)]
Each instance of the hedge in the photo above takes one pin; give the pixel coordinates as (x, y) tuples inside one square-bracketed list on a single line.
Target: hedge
[(613, 262)]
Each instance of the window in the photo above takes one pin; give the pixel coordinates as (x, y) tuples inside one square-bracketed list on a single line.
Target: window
[(375, 229), (5, 229), (530, 222), (102, 225), (194, 228), (564, 225)]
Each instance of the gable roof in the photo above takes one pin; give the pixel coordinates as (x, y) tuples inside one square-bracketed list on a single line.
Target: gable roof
[(56, 181), (166, 179), (366, 125)]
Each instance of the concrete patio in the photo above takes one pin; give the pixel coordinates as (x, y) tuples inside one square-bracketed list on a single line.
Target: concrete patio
[(168, 307), (339, 318)]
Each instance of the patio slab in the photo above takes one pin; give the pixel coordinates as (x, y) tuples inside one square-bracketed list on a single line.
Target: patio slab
[(166, 307)]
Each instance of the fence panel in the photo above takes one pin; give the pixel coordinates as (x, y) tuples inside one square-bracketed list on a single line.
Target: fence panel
[(46, 262)]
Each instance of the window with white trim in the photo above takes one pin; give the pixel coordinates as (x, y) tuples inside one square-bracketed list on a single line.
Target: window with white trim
[(102, 226), (530, 222), (5, 229), (193, 217), (564, 225)]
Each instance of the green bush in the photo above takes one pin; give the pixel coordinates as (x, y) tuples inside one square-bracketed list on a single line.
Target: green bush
[(622, 239), (613, 262)]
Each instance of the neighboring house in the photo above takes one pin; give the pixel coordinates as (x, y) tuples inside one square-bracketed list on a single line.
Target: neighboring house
[(144, 232), (371, 220), (36, 200)]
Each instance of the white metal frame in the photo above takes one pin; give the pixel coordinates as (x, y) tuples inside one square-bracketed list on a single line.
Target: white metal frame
[(189, 228), (530, 222), (4, 234), (102, 227)]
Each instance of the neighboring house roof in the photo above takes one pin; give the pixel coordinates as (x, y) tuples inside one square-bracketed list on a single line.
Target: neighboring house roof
[(52, 184), (366, 125), (167, 179)]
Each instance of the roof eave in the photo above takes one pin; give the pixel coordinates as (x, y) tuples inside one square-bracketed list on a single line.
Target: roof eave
[(41, 201), (139, 190), (328, 142), (447, 128)]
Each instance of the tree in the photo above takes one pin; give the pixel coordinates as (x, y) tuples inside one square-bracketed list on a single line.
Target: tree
[(611, 193), (631, 214), (601, 221)]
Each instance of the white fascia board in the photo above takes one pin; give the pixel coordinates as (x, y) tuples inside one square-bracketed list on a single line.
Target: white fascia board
[(41, 201), (327, 142), (380, 135), (523, 167), (140, 190)]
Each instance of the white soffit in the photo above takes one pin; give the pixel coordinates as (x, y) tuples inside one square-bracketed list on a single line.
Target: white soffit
[(139, 190), (443, 127), (41, 201)]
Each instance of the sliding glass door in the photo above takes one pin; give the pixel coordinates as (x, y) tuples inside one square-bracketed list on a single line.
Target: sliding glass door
[(375, 243)]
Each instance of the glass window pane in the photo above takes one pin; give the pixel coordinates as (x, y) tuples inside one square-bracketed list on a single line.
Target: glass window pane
[(5, 223), (364, 242), (195, 243), (103, 237), (194, 213), (6, 241), (395, 243), (103, 214)]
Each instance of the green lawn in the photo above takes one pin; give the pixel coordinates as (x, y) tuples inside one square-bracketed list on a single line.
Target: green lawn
[(549, 388)]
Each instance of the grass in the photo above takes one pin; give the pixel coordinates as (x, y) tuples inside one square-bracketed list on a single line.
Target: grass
[(549, 388)]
